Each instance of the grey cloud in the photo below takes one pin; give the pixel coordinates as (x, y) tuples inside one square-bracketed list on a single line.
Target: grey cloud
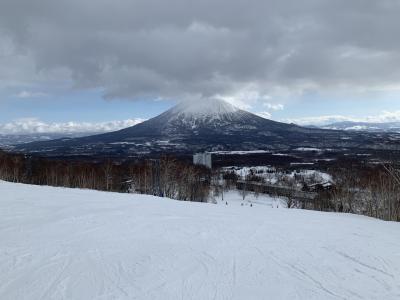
[(181, 49), (29, 94)]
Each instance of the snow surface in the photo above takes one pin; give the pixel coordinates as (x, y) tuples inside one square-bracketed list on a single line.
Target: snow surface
[(306, 149), (205, 107), (76, 244), (241, 152), (207, 112), (234, 197)]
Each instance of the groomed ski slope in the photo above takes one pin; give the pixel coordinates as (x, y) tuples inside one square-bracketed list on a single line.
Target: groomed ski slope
[(60, 243)]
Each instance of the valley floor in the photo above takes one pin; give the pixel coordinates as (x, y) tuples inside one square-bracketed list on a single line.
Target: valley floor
[(60, 243)]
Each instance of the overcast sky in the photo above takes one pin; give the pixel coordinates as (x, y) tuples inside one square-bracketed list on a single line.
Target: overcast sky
[(98, 60)]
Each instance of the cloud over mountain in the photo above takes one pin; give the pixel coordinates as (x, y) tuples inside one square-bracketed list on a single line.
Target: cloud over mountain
[(184, 49)]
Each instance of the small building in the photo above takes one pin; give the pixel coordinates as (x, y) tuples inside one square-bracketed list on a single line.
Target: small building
[(203, 159)]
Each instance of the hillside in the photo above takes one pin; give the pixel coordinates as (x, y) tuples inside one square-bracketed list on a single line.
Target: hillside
[(209, 125), (364, 126), (77, 244)]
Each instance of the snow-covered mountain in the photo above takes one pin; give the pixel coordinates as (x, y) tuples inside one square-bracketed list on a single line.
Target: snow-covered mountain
[(211, 117), (365, 126), (197, 113), (206, 125), (8, 140)]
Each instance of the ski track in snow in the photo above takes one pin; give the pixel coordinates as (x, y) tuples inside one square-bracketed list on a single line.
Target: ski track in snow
[(76, 244)]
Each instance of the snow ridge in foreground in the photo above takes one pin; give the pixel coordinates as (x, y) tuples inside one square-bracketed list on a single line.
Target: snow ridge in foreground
[(75, 244)]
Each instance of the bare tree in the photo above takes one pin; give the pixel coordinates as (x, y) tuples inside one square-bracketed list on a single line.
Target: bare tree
[(107, 169)]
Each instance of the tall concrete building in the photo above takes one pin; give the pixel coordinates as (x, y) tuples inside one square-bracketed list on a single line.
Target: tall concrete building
[(204, 159)]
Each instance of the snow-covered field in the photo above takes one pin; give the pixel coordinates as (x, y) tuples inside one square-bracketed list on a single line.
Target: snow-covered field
[(75, 244), (234, 197), (273, 176)]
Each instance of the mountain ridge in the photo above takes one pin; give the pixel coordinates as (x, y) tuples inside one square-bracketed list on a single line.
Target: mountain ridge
[(210, 125), (364, 126)]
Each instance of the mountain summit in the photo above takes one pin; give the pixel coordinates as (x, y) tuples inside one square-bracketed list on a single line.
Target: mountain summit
[(205, 116), (204, 125), (194, 115), (204, 108)]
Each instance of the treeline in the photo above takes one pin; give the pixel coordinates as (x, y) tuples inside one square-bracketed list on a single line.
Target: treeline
[(164, 177), (371, 191)]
